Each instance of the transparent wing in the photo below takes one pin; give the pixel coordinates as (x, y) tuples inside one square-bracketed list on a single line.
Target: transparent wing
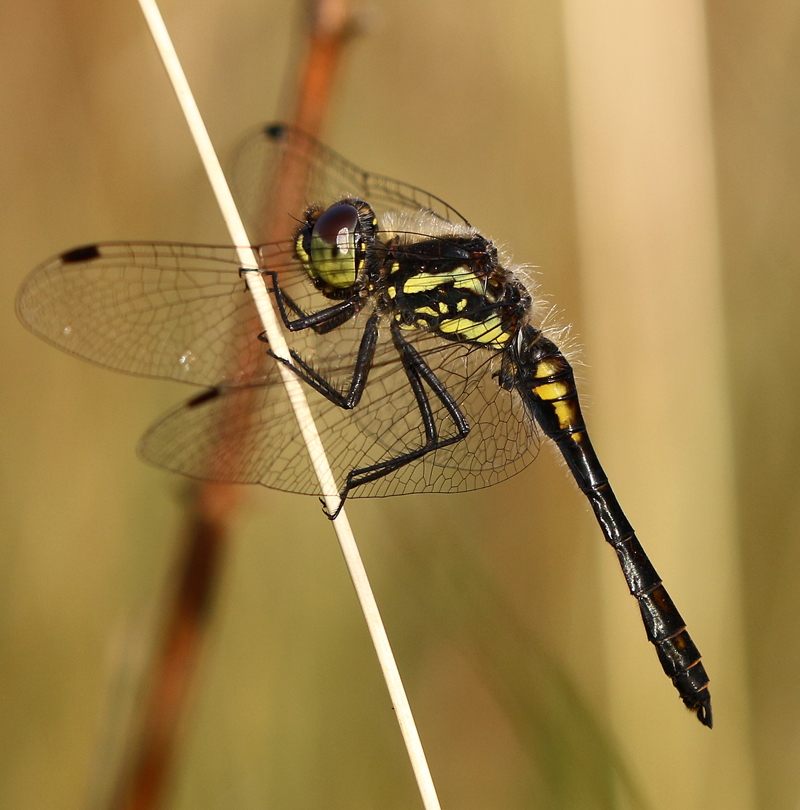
[(171, 311), (247, 434), (280, 169), (181, 312)]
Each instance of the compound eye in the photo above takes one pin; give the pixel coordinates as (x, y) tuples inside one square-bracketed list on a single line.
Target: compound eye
[(336, 226), (333, 246)]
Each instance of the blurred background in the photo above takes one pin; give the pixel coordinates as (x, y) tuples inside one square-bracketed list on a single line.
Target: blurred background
[(646, 157)]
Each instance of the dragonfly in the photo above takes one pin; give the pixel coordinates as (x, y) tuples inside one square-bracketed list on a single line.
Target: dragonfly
[(425, 353)]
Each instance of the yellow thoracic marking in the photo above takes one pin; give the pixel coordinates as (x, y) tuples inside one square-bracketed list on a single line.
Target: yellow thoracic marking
[(489, 331), (443, 308), (425, 311), (461, 305), (459, 277), (394, 268), (578, 437), (423, 282), (468, 281), (392, 292)]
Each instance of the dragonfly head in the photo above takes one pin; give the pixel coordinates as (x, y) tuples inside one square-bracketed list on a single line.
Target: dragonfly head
[(332, 245)]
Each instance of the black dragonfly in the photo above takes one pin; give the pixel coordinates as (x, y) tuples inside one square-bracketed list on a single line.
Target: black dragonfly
[(426, 356)]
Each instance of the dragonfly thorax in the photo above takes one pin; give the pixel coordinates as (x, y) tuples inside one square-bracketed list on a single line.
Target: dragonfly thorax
[(456, 287)]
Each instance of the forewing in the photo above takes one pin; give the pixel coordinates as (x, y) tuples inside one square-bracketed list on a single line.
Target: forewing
[(172, 311), (279, 171)]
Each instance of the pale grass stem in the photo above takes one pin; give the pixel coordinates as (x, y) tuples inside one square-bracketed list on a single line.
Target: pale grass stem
[(297, 397)]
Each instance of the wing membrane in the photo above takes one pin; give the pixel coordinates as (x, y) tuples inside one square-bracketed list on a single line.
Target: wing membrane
[(278, 155), (172, 311), (247, 434), (182, 312)]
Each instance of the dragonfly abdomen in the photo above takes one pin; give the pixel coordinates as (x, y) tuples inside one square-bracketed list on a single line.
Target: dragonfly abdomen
[(546, 384)]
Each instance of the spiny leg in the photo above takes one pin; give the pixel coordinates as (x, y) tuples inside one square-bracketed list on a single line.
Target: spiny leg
[(355, 389), (418, 372), (322, 321), (546, 384)]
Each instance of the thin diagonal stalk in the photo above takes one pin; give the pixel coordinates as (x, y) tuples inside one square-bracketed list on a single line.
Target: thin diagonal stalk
[(148, 765), (182, 642)]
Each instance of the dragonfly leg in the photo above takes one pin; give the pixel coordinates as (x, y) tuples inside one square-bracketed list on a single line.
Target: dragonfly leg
[(418, 372), (322, 321), (358, 381), (546, 384)]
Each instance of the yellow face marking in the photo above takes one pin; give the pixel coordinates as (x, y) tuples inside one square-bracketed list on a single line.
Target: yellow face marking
[(489, 332), (302, 255)]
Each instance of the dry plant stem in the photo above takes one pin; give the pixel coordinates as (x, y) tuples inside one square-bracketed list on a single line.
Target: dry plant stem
[(182, 642), (184, 630), (366, 598), (331, 26)]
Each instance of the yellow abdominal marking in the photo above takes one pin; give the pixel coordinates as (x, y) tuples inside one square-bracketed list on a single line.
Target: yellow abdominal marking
[(565, 411), (553, 390), (489, 331), (554, 393), (547, 367)]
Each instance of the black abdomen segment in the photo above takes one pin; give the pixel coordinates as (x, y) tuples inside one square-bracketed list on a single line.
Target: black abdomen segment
[(546, 383)]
